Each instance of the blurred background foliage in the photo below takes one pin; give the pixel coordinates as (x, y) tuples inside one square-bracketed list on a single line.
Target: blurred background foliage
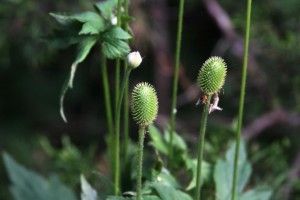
[(32, 71)]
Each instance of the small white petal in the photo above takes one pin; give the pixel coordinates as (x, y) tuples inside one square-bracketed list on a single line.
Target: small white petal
[(114, 20)]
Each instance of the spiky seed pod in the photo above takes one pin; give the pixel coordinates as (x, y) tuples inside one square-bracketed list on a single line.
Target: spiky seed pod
[(212, 75), (144, 104)]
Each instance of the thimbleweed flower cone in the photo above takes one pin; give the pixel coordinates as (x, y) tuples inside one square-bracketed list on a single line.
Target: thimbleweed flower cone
[(144, 108), (210, 80), (212, 75), (144, 104)]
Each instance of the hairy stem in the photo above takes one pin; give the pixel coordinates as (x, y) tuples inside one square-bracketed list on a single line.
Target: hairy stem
[(175, 81), (242, 96), (140, 161), (200, 147), (108, 108), (117, 130)]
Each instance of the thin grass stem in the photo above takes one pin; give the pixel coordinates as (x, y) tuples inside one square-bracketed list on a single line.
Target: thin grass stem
[(126, 94), (117, 115), (242, 96), (117, 129), (107, 98), (175, 81)]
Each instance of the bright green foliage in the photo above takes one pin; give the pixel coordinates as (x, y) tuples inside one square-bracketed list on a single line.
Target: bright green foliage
[(212, 75), (223, 177), (93, 28), (166, 192), (92, 23), (28, 185), (106, 8), (144, 105), (161, 141)]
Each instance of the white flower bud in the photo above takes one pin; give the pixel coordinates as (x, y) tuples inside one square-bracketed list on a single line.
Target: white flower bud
[(114, 20), (134, 59)]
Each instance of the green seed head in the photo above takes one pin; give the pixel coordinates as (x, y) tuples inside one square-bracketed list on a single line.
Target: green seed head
[(212, 75), (144, 104)]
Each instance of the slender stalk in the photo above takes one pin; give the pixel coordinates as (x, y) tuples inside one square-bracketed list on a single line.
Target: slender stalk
[(117, 129), (242, 96), (140, 161), (126, 93), (118, 66), (175, 81), (200, 147), (117, 115), (107, 100), (117, 83)]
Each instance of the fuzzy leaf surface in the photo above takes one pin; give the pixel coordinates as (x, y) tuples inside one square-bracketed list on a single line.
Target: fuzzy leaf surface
[(114, 48), (115, 32)]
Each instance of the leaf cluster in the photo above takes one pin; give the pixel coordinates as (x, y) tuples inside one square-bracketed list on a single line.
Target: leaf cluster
[(85, 30)]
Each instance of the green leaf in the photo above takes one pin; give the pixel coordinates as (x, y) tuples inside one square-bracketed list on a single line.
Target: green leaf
[(106, 8), (191, 164), (83, 50), (224, 171), (28, 185), (165, 177), (92, 22), (87, 192), (115, 32), (115, 48), (146, 197), (169, 193), (157, 140), (261, 193), (63, 19), (178, 142)]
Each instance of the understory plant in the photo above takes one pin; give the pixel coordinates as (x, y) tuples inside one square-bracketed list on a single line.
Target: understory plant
[(149, 179)]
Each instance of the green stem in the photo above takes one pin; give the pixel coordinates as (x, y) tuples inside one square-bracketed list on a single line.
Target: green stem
[(242, 96), (175, 82), (140, 161), (107, 100), (117, 83), (117, 138), (117, 115), (126, 119), (200, 147), (126, 93)]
